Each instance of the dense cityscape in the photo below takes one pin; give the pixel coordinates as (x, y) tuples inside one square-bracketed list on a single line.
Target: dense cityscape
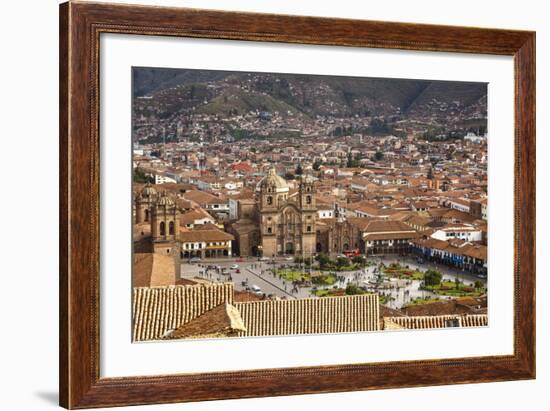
[(305, 200)]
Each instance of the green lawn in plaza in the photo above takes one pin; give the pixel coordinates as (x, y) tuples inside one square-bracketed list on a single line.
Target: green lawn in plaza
[(292, 275), (455, 289)]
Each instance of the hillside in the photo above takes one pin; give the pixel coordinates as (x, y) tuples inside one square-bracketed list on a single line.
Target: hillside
[(225, 93)]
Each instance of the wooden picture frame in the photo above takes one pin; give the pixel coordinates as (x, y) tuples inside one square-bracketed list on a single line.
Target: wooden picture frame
[(80, 27)]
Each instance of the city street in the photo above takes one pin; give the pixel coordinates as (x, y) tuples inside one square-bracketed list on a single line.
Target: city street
[(251, 273)]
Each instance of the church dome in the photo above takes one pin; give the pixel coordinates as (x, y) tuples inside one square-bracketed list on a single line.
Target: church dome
[(273, 181), (148, 191), (165, 200)]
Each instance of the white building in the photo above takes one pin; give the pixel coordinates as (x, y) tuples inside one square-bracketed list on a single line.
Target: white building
[(474, 138), (163, 179), (466, 232), (325, 212)]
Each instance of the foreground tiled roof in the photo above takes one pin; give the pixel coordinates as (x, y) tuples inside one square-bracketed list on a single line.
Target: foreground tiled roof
[(221, 321), (310, 316), (157, 310), (152, 270), (436, 321)]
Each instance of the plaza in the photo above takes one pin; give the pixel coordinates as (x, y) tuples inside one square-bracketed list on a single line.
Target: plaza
[(261, 279)]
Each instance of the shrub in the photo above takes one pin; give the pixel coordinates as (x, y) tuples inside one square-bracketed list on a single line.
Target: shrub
[(352, 289), (358, 259), (342, 261), (323, 259)]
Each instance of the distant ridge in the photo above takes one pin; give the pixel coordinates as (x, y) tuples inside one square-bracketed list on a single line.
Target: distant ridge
[(311, 95)]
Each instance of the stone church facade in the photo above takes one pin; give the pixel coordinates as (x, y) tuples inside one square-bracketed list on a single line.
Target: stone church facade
[(286, 223)]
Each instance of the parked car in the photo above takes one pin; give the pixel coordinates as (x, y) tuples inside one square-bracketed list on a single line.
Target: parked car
[(195, 260), (234, 267), (255, 289)]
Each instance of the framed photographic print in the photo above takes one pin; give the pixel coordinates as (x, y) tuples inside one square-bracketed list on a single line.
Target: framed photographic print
[(259, 205)]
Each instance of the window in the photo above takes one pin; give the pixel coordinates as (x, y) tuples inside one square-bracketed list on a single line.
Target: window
[(269, 230), (171, 228), (162, 227), (269, 200), (308, 199), (308, 228), (146, 215)]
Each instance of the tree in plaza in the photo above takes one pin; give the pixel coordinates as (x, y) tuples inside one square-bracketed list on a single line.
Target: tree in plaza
[(352, 289), (299, 170), (432, 277), (323, 260), (478, 284)]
